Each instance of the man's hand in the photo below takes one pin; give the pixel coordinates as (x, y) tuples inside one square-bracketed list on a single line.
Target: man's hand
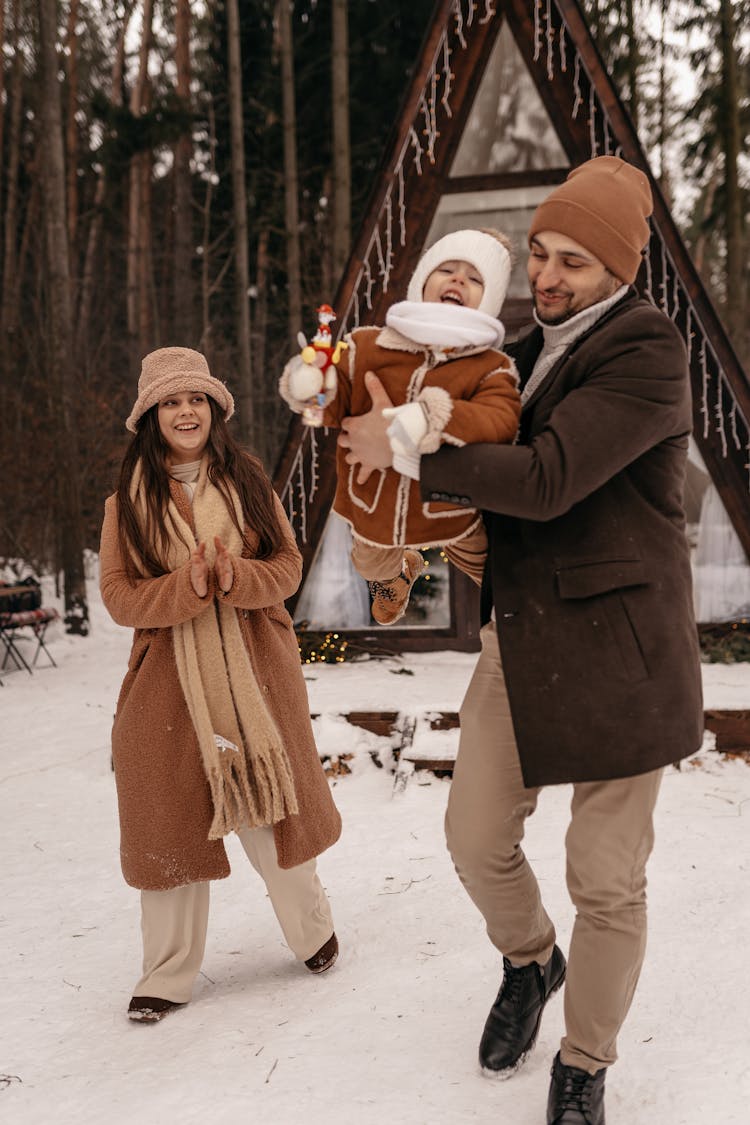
[(365, 437)]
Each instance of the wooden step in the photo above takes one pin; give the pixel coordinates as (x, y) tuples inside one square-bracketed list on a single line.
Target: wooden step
[(429, 741)]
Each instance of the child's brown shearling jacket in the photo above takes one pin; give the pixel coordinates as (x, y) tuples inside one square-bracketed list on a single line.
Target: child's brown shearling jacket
[(470, 395)]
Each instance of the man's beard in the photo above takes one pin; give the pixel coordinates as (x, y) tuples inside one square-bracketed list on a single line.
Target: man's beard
[(552, 321), (555, 318)]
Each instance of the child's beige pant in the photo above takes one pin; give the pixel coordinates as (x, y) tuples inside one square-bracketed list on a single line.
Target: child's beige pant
[(609, 839), (380, 564), (174, 923)]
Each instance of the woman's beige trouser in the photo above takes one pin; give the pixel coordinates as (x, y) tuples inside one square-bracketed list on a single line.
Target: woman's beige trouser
[(174, 923), (381, 564), (609, 839)]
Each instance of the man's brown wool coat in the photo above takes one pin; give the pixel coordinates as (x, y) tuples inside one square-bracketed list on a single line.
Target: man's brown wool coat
[(164, 801), (589, 567)]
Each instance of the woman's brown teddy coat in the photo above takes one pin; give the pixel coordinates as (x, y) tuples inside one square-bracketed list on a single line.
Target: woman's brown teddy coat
[(163, 795)]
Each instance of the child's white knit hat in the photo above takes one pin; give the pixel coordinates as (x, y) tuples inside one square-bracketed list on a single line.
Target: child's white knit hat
[(482, 251)]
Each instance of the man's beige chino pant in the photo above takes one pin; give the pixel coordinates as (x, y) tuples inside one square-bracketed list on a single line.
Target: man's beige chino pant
[(609, 839)]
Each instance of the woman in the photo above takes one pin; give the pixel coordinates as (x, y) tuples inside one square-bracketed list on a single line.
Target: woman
[(212, 730)]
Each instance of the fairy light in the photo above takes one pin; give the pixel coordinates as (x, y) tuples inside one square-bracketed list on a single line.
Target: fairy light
[(315, 648)]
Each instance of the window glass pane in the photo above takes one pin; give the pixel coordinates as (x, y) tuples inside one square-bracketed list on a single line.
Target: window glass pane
[(508, 129), (336, 597)]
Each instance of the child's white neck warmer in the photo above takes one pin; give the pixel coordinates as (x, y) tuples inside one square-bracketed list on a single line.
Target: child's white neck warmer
[(437, 325)]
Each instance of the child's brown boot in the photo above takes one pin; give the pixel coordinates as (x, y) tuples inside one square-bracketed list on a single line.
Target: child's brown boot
[(390, 599)]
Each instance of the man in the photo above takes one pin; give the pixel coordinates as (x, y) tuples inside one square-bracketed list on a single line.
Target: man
[(587, 589)]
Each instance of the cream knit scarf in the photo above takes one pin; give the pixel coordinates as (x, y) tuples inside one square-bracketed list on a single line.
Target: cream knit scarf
[(243, 756)]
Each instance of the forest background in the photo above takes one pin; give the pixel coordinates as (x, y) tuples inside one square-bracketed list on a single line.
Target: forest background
[(177, 173)]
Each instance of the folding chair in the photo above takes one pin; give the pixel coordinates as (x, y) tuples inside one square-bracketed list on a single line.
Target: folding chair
[(37, 621)]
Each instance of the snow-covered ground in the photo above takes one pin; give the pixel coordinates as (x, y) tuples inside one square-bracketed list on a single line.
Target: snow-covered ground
[(391, 1033)]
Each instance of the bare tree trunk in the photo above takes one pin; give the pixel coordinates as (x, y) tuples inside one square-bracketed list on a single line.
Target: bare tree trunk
[(342, 175), (291, 177), (324, 240), (265, 434), (135, 251), (239, 193), (71, 125), (209, 287), (730, 140), (60, 353), (95, 229), (183, 214), (206, 342), (633, 61), (9, 313), (699, 249), (665, 181), (2, 93), (261, 319), (147, 333)]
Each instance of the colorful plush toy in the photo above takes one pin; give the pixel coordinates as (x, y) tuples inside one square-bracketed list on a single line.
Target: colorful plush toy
[(314, 375)]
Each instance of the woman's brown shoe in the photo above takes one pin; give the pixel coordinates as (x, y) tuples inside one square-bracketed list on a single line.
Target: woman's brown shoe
[(149, 1009), (325, 956)]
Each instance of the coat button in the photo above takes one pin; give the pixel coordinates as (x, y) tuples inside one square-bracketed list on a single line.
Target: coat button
[(265, 688)]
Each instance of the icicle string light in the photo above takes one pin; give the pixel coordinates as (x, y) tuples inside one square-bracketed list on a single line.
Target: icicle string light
[(733, 426), (592, 120), (313, 467), (578, 96), (537, 30), (448, 77), (429, 110), (663, 300), (368, 284), (417, 148), (388, 242), (381, 257), (719, 415), (550, 43), (676, 308), (704, 385), (458, 14), (689, 334)]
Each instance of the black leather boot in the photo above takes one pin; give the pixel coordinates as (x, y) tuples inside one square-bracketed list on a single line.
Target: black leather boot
[(575, 1096), (512, 1025)]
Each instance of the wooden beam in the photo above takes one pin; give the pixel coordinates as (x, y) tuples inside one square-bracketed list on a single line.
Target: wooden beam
[(503, 181)]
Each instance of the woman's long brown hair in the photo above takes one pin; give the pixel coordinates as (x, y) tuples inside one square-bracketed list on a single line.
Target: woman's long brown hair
[(228, 464)]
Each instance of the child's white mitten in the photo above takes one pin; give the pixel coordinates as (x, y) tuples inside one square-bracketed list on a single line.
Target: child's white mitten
[(408, 427)]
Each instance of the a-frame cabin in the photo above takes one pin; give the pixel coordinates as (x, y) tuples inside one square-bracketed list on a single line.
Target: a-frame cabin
[(506, 97)]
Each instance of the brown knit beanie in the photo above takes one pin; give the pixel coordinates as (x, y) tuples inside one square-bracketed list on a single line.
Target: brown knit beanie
[(168, 371), (604, 205)]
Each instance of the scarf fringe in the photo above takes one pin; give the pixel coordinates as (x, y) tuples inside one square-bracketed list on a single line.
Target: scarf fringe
[(249, 795)]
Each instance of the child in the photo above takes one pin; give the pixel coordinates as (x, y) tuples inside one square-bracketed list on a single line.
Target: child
[(212, 730), (449, 381)]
